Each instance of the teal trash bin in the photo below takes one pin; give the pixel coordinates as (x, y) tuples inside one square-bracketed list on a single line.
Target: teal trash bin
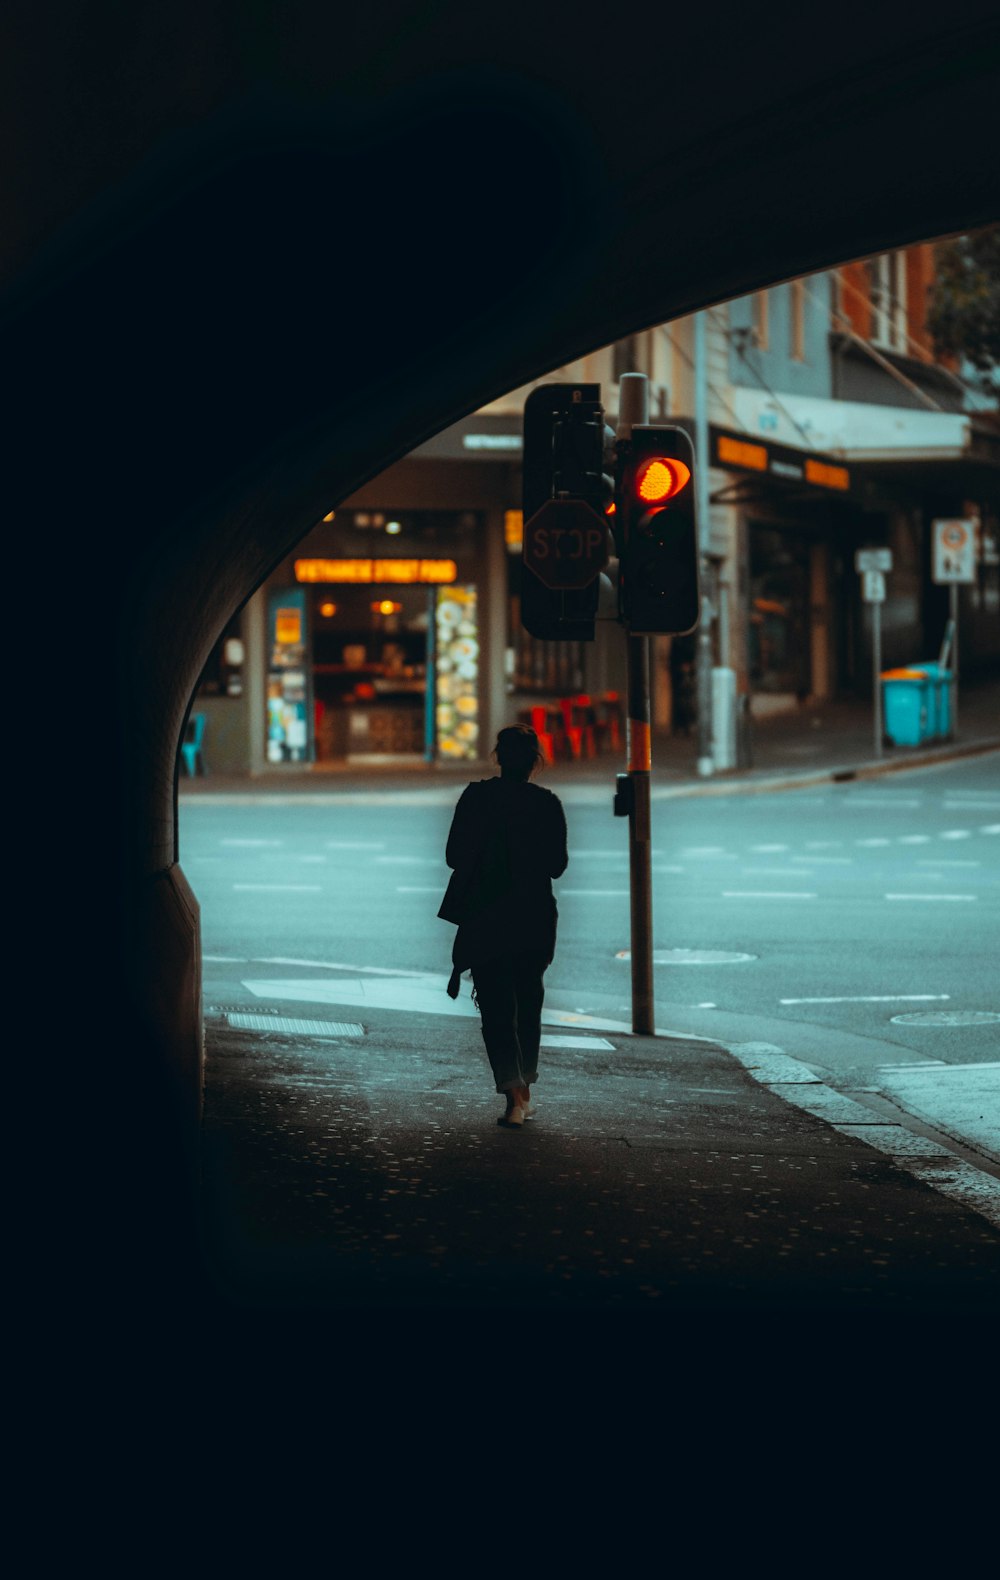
[(907, 707), (939, 696)]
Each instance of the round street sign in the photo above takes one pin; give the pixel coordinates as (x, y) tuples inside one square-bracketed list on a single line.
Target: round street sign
[(566, 543)]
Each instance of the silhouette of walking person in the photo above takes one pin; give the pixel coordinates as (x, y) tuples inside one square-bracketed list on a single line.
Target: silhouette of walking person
[(506, 844)]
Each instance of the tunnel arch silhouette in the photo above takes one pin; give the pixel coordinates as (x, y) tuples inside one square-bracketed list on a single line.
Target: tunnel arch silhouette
[(234, 297)]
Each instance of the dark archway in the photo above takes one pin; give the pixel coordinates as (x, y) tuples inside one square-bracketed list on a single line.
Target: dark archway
[(200, 371)]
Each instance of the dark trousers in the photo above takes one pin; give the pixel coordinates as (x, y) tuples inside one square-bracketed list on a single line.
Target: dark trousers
[(510, 994)]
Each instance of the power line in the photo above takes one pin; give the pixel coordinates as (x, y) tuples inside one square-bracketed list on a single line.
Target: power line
[(761, 380), (714, 388)]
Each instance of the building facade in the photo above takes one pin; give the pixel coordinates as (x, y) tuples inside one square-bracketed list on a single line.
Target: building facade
[(393, 633)]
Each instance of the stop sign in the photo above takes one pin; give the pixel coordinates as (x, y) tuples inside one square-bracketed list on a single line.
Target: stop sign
[(566, 543)]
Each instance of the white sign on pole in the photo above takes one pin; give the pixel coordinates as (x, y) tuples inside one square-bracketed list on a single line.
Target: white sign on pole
[(873, 587), (872, 560), (954, 558)]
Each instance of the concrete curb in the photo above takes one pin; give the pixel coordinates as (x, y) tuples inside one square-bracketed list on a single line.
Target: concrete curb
[(842, 774)]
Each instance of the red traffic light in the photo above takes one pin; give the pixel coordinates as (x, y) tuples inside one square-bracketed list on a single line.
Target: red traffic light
[(659, 479)]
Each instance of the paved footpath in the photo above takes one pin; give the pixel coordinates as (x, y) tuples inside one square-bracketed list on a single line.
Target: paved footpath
[(660, 1172)]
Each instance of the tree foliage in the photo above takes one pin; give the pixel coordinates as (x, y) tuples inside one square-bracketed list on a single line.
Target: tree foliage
[(964, 312)]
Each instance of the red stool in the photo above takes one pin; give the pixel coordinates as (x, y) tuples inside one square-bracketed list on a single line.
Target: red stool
[(538, 718)]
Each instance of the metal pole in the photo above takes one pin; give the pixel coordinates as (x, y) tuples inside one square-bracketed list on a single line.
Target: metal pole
[(877, 673), (640, 839), (703, 643), (633, 411), (953, 614)]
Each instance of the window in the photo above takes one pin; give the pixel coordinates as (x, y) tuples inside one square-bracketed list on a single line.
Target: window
[(797, 308), (759, 319), (887, 295), (222, 675)]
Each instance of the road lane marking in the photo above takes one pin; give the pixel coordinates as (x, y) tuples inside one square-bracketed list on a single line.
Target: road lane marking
[(934, 897), (704, 850), (595, 893), (415, 888), (946, 861), (767, 894), (990, 828), (827, 861), (278, 888), (332, 965), (871, 998), (409, 861), (957, 833), (355, 844), (422, 993), (550, 1041), (774, 872), (254, 842), (767, 850), (886, 801), (873, 842), (226, 960)]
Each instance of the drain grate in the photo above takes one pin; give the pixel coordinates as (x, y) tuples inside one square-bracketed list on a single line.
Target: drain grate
[(287, 1027)]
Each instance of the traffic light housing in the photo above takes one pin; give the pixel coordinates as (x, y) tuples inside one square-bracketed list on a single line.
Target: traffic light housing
[(563, 458), (657, 532)]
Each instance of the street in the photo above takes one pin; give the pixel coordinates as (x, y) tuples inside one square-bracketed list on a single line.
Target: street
[(856, 925)]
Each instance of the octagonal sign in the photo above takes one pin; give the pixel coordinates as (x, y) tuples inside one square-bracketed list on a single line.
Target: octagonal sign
[(566, 543)]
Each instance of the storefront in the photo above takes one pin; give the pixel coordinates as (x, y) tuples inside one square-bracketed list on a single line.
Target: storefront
[(798, 518), (374, 640)]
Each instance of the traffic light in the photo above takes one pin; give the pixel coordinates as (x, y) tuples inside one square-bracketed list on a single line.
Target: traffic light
[(656, 531), (564, 450)]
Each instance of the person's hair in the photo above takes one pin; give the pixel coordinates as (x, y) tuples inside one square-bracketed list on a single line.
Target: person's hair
[(517, 751)]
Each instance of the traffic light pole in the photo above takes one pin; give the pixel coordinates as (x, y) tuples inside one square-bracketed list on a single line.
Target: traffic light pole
[(633, 412), (640, 835)]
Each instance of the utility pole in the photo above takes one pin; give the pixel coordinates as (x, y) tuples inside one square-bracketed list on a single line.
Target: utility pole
[(703, 671), (633, 412)]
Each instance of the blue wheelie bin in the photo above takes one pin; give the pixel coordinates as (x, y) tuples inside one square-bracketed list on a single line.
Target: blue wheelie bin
[(938, 698), (907, 708)]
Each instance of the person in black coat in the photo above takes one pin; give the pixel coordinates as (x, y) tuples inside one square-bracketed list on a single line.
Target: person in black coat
[(507, 842)]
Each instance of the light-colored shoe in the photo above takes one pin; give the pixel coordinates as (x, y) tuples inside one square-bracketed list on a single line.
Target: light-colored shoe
[(513, 1119)]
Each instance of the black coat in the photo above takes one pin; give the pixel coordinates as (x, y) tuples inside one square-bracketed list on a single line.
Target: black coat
[(507, 842)]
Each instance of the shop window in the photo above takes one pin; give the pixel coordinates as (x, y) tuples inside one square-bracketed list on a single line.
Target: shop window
[(222, 675)]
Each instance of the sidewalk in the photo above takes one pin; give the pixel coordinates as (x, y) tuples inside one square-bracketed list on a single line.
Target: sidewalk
[(367, 1173), (828, 741)]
